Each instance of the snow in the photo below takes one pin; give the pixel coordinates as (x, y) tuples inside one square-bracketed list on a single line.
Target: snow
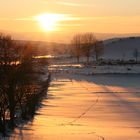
[(93, 102), (121, 48), (86, 107), (92, 69)]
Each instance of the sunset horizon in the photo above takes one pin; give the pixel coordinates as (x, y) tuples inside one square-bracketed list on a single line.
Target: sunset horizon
[(69, 69), (51, 17)]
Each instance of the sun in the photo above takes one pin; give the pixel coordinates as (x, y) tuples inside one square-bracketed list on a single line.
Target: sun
[(49, 22)]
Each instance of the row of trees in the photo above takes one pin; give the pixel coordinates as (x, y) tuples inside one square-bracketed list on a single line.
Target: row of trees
[(18, 86), (86, 45)]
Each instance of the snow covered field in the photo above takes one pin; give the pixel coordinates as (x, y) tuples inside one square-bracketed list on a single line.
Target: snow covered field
[(91, 70), (86, 107), (121, 48)]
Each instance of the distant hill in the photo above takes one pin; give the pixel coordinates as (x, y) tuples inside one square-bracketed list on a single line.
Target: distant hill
[(59, 37), (121, 48), (46, 48)]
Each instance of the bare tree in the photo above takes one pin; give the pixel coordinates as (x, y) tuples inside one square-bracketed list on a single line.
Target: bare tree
[(17, 79), (85, 44), (88, 43), (3, 108), (76, 46), (8, 58)]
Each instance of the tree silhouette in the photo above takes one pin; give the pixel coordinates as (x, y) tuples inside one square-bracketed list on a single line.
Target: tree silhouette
[(88, 43), (19, 84), (76, 46), (136, 55)]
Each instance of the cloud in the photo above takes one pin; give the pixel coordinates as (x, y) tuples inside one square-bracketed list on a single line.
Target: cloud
[(4, 19), (24, 19), (73, 4), (62, 17), (70, 25), (69, 17), (56, 16), (68, 4), (16, 19)]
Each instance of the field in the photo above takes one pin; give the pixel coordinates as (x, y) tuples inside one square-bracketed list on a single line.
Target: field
[(87, 107)]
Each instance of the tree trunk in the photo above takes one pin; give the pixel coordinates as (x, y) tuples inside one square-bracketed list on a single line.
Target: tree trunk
[(12, 114), (87, 59), (78, 59), (96, 57), (4, 125), (11, 105), (1, 123)]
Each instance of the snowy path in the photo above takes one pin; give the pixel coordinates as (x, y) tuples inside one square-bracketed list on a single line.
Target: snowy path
[(87, 108)]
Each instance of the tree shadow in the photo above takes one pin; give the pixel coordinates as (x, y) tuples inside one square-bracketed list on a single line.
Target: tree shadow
[(120, 80), (131, 107)]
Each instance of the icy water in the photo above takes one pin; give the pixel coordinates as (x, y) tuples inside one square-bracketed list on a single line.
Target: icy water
[(103, 107)]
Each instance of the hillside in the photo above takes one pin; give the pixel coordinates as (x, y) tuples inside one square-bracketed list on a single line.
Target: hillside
[(121, 48)]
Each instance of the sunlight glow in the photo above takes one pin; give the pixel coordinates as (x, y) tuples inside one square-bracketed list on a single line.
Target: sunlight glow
[(50, 22)]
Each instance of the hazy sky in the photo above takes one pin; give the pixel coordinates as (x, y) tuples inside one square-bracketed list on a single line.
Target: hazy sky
[(101, 16)]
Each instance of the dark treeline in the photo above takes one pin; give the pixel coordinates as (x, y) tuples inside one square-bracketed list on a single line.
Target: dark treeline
[(86, 45), (47, 48), (20, 89)]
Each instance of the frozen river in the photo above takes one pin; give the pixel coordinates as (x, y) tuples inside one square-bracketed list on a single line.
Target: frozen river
[(99, 107)]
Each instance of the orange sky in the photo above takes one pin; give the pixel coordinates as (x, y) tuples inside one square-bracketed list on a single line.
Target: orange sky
[(69, 16)]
